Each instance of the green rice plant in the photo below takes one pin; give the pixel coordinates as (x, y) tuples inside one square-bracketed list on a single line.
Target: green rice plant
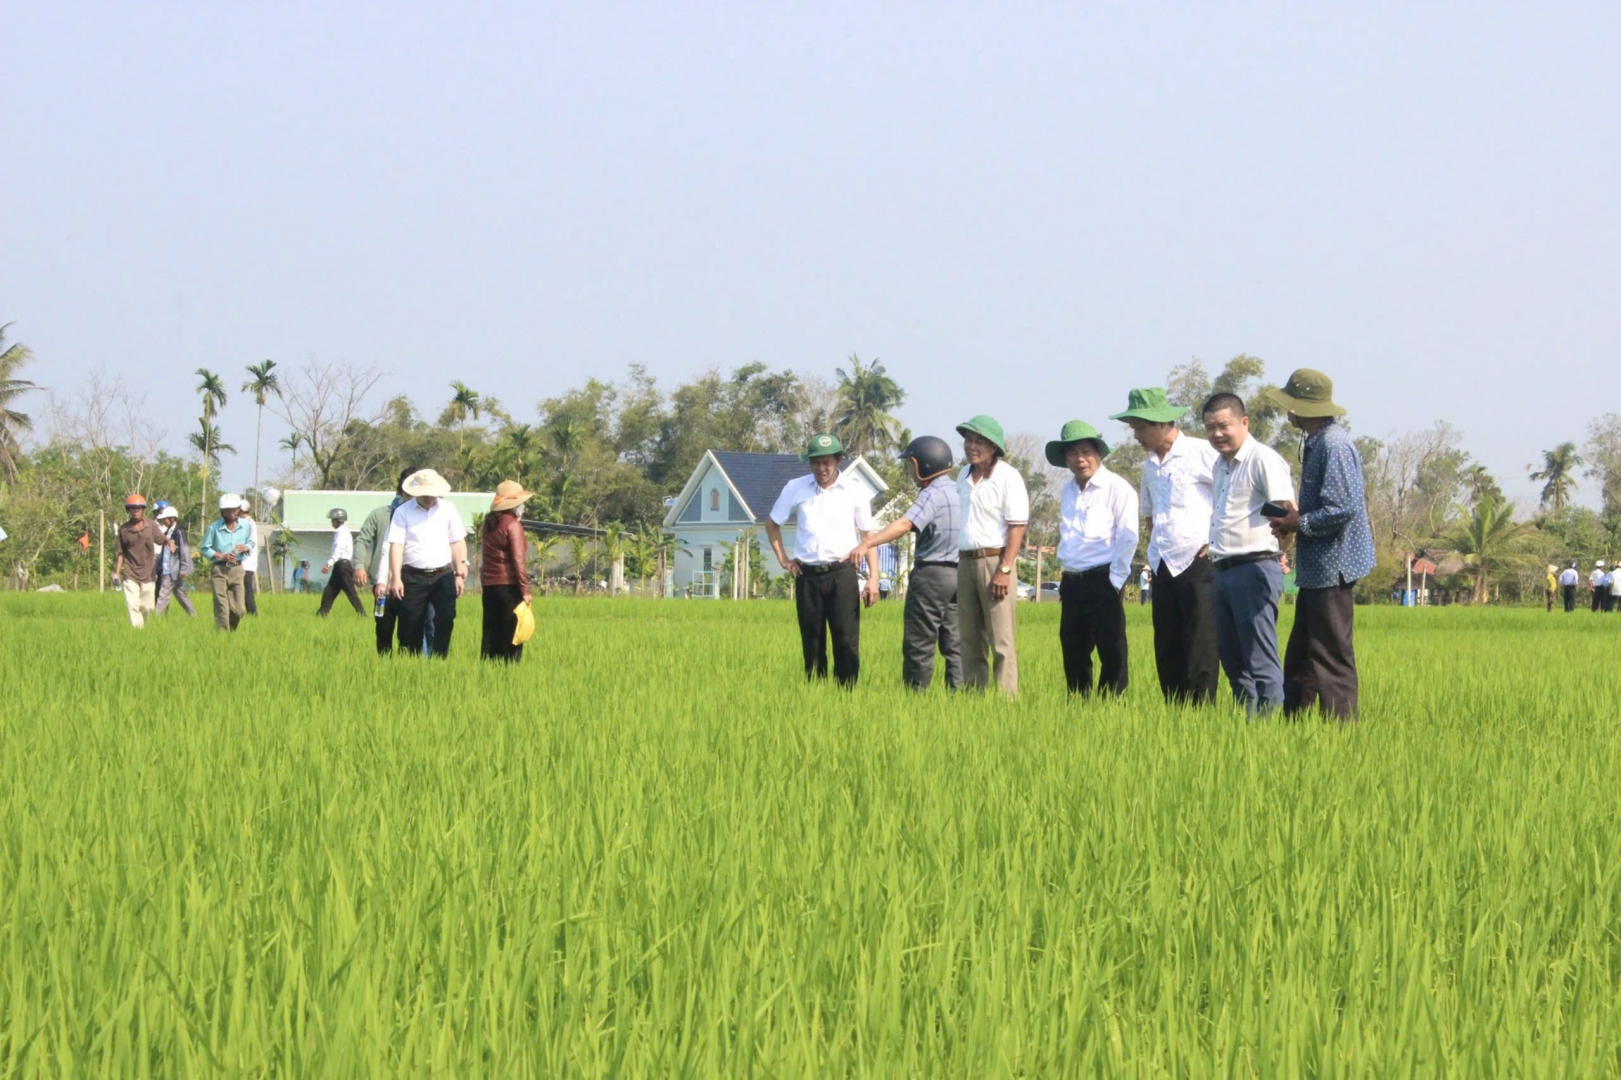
[(651, 849)]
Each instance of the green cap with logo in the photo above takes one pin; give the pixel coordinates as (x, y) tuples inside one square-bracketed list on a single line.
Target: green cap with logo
[(986, 428), (1075, 431), (1307, 393), (1149, 403), (822, 446)]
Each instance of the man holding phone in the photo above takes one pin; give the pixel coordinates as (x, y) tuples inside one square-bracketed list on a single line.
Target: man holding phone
[(224, 546)]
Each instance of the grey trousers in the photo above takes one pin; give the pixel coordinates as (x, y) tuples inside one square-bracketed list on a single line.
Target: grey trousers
[(1319, 665), (174, 588), (1247, 633), (931, 622)]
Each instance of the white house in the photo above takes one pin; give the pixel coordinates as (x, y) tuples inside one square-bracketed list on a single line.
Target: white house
[(727, 493), (305, 514)]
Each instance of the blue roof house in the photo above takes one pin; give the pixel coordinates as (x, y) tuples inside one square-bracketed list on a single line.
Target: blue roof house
[(727, 493)]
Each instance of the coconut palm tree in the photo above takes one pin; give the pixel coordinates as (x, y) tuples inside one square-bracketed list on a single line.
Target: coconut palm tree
[(12, 422), (543, 549), (263, 385), (862, 418), (465, 403), (1488, 539), (518, 448), (206, 441), (212, 389), (1558, 474)]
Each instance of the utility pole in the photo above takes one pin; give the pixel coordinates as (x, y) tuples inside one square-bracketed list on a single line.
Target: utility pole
[(101, 558)]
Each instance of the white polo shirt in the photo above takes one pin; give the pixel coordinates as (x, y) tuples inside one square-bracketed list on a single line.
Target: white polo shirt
[(1256, 475), (829, 521), (1596, 578), (343, 544), (1569, 576), (426, 534), (1097, 525), (1177, 493), (990, 505)]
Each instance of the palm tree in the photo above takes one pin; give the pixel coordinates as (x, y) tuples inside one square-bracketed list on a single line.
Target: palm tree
[(542, 549), (1482, 485), (613, 547), (212, 389), (576, 551), (865, 396), (465, 403), (518, 447), (1558, 474), (206, 441), (1488, 538), (262, 386), (12, 422)]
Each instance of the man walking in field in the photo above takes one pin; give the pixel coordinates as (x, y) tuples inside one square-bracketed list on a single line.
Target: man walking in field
[(931, 591), (224, 545), (139, 542), (996, 513), (1097, 538), (1244, 551), (1177, 489), (1334, 551), (340, 565), (371, 558), (427, 562), (1567, 583), (250, 561), (1613, 580), (1595, 586), (832, 515), (174, 563)]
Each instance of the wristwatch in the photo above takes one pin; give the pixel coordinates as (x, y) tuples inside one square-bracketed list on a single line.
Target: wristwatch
[(1004, 570)]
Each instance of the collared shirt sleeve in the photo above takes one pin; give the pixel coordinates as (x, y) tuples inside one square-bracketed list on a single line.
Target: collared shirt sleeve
[(864, 522), (1341, 495), (209, 548), (1015, 499), (1145, 497), (1280, 486), (1126, 523), (786, 502), (922, 510), (396, 527), (365, 541), (455, 528)]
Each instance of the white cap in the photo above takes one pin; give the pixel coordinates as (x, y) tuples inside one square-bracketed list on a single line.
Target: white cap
[(1599, 563), (168, 512), (230, 501)]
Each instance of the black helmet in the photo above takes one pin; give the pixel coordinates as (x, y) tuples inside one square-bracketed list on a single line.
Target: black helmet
[(339, 515), (931, 455)]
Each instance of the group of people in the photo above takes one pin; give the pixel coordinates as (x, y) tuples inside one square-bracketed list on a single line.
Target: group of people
[(1603, 585), (155, 560), (1221, 512)]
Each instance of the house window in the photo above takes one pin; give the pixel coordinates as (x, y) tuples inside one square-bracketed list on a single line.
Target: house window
[(709, 559), (714, 498)]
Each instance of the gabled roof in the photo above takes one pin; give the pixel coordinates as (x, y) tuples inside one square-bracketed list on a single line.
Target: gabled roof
[(757, 479)]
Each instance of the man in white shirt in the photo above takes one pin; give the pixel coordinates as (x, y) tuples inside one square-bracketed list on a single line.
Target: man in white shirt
[(1595, 585), (340, 565), (996, 512), (832, 514), (1177, 489), (1097, 538), (1249, 582), (250, 561), (427, 562), (1568, 580), (1612, 587)]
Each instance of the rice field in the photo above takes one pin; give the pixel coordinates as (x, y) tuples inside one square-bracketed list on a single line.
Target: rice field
[(652, 850)]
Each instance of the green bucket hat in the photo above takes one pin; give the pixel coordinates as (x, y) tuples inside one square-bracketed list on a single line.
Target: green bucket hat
[(1151, 404), (822, 446), (986, 428), (1075, 431), (1307, 393)]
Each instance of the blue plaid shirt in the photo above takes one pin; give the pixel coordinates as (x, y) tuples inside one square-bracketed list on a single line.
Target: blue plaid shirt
[(1336, 541), (937, 517)]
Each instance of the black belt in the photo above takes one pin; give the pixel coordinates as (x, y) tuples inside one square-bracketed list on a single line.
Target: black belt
[(823, 568), (417, 573), (922, 564), (1089, 572), (1244, 560)]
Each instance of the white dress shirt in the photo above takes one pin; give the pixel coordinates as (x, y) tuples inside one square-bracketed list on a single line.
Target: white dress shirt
[(1613, 580), (1256, 475), (830, 521), (1097, 525), (250, 558), (1596, 579), (1569, 576), (343, 545), (426, 534), (990, 505), (1177, 493)]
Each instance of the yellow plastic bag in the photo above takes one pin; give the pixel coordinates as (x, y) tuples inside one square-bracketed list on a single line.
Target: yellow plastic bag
[(526, 624)]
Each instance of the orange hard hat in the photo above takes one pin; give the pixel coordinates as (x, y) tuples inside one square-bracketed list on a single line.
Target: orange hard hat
[(135, 498)]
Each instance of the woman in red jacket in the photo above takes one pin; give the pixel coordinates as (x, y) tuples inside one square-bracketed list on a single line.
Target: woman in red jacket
[(503, 571)]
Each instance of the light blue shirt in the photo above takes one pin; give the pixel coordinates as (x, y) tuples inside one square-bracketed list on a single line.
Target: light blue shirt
[(221, 539)]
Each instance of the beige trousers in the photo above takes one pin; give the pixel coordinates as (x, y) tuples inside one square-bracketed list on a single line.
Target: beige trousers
[(139, 598), (987, 626), (226, 582)]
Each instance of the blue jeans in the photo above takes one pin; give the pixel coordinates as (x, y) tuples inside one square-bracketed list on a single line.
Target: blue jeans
[(1247, 633)]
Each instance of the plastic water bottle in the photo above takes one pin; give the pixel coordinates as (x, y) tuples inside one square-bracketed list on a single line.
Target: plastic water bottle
[(380, 607)]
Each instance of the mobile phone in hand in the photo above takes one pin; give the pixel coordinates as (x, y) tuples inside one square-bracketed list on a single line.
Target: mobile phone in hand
[(1273, 510)]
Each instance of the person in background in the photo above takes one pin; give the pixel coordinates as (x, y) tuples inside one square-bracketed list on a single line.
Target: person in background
[(1244, 552), (1097, 538), (139, 542), (250, 562), (1177, 489), (371, 565), (1145, 585), (833, 515), (224, 544), (996, 512), (340, 565), (1568, 579), (300, 572), (503, 571), (427, 562), (1595, 586), (930, 618), (1333, 551), (1553, 584), (174, 563), (1612, 588)]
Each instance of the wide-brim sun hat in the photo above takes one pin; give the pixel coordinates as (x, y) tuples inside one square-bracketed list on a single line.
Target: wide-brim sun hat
[(509, 495), (1308, 393), (1075, 431), (230, 501), (426, 482), (822, 446), (1151, 404), (985, 427)]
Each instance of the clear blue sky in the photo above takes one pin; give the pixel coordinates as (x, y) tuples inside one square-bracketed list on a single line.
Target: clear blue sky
[(1021, 210)]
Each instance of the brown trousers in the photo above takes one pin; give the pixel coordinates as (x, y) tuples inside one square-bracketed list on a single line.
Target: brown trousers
[(1319, 665), (987, 626)]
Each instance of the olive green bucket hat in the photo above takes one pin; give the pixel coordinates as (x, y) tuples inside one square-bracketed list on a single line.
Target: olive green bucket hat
[(1150, 403), (822, 446), (1307, 393), (1075, 431), (986, 428)]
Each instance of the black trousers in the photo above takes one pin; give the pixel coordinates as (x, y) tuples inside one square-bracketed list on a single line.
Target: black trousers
[(385, 625), (829, 604), (1598, 599), (931, 622), (1185, 632), (425, 589), (500, 623), (1319, 665), (1570, 597), (250, 590), (1093, 617), (342, 580)]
